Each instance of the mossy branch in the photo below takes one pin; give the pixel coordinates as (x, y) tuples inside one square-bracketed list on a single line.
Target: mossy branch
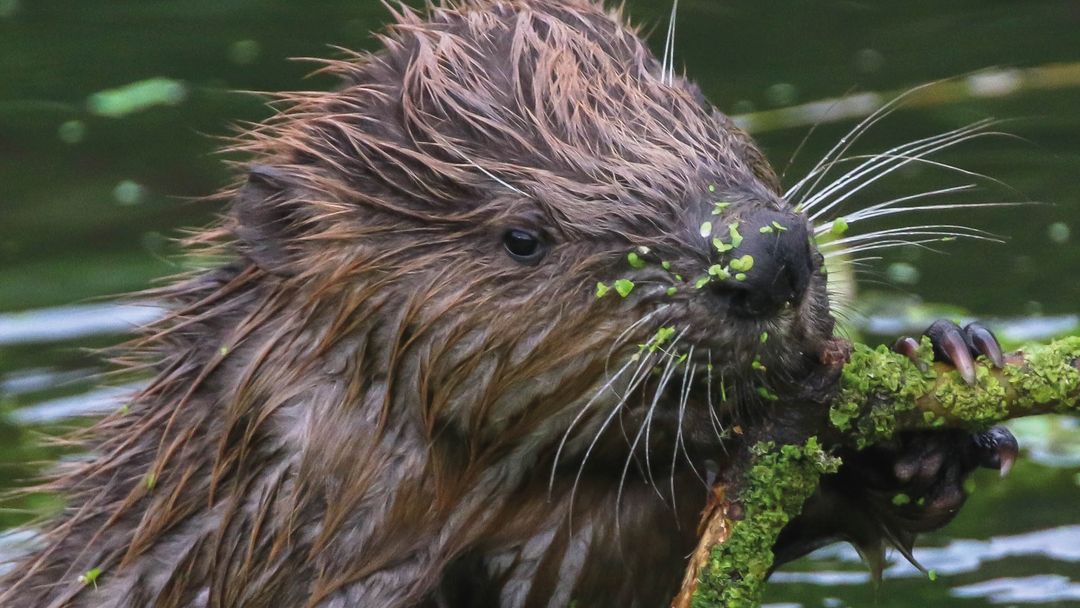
[(881, 393)]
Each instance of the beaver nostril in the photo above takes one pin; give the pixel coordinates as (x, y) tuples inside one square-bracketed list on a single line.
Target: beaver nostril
[(782, 257)]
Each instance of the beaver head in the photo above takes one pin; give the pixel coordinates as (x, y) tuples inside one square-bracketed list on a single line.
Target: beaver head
[(511, 202)]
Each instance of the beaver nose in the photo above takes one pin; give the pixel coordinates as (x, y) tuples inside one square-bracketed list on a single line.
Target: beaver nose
[(782, 257)]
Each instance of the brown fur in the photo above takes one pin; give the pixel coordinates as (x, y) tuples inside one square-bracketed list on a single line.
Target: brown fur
[(363, 404)]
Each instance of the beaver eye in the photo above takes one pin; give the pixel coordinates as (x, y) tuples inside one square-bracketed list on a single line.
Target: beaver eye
[(523, 246)]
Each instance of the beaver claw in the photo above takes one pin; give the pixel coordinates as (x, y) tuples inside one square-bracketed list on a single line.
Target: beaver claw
[(997, 449), (957, 347)]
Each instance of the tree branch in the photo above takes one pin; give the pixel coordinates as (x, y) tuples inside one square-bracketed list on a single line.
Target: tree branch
[(881, 393)]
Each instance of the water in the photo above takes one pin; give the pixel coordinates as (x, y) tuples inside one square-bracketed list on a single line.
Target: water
[(109, 109)]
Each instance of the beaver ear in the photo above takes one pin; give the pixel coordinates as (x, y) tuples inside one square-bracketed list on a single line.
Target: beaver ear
[(267, 221)]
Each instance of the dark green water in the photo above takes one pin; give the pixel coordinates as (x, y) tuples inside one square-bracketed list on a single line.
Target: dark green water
[(88, 202)]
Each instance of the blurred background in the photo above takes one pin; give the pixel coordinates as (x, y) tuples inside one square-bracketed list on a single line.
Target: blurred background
[(111, 111)]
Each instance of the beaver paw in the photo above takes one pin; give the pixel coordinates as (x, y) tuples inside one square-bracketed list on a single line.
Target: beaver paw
[(888, 493), (957, 347)]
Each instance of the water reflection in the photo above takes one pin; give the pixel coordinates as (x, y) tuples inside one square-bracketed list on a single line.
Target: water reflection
[(73, 322), (959, 557)]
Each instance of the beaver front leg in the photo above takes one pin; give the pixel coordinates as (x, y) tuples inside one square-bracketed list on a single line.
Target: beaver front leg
[(888, 493)]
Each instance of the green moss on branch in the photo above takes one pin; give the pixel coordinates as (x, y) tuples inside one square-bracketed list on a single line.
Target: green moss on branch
[(776, 485), (881, 392)]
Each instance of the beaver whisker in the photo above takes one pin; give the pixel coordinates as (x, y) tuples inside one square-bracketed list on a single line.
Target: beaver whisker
[(863, 213), (665, 377), (878, 165), (714, 419), (640, 374), (836, 153), (645, 426), (943, 230), (667, 65), (945, 207), (684, 397), (680, 443), (890, 244), (489, 174), (619, 340), (921, 159), (584, 409)]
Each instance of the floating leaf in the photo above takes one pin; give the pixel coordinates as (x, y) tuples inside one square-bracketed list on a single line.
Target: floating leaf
[(624, 287), (672, 291), (701, 282), (135, 97), (839, 226), (779, 226), (721, 246), (764, 337), (602, 290), (705, 230), (665, 265), (765, 229), (635, 260), (740, 276)]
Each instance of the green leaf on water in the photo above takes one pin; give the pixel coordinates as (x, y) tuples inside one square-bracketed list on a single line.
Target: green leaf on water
[(136, 97), (839, 226), (602, 290)]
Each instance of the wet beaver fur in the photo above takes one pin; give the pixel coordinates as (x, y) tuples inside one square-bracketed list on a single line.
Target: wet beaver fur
[(402, 387)]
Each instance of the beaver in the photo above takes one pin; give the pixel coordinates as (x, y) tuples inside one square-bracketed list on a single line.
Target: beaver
[(486, 321)]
